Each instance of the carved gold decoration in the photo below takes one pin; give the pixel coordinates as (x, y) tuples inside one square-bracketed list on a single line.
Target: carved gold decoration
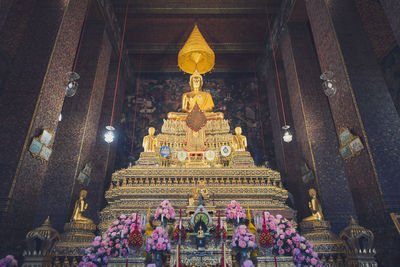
[(359, 245), (76, 237)]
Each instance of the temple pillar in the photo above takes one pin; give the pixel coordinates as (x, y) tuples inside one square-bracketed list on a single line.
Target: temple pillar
[(104, 154), (77, 132), (363, 105), (314, 127), (287, 154), (392, 10), (40, 38)]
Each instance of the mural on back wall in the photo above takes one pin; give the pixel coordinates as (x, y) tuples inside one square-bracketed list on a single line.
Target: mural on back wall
[(390, 66), (234, 94)]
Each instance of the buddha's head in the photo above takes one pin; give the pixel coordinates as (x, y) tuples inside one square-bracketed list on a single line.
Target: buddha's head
[(312, 192), (83, 194), (152, 131), (196, 81), (238, 130)]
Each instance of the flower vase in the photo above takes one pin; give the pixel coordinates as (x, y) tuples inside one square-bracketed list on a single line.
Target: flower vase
[(158, 259), (243, 256)]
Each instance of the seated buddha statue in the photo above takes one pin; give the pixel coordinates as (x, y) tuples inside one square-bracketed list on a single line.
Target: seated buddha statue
[(315, 207), (150, 141), (203, 99), (239, 142), (79, 208)]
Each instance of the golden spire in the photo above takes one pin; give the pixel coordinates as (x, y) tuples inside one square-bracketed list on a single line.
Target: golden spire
[(196, 53)]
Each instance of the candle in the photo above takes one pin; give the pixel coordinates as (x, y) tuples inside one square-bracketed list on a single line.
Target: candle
[(180, 224)]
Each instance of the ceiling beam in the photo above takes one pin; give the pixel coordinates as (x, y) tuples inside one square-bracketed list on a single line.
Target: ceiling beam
[(198, 10), (175, 69), (220, 48)]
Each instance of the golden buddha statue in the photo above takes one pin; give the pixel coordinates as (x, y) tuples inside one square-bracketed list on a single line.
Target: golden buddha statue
[(239, 142), (200, 233), (150, 141), (203, 99), (315, 207), (80, 207)]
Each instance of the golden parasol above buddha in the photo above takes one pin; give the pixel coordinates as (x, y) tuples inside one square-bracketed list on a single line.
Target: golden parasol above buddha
[(196, 57)]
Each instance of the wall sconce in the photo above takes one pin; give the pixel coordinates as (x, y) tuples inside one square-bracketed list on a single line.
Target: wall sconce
[(329, 84), (109, 136), (71, 86), (287, 134)]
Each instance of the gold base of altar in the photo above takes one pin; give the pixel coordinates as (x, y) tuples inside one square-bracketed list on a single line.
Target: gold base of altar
[(76, 238), (137, 188), (148, 159), (242, 158), (122, 262), (331, 250)]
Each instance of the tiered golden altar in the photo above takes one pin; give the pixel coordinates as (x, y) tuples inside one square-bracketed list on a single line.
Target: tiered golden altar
[(195, 160)]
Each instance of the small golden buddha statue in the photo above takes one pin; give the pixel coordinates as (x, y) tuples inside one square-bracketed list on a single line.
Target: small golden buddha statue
[(200, 233), (315, 207), (203, 99), (80, 207), (150, 141), (239, 142)]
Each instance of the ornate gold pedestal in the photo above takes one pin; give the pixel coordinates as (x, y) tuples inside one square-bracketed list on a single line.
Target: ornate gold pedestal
[(329, 247), (76, 238), (132, 262), (281, 261), (148, 159), (242, 158)]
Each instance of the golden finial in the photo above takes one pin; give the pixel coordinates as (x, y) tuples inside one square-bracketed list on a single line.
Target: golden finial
[(196, 54)]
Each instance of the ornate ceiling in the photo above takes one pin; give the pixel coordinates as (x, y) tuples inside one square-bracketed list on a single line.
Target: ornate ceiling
[(157, 29)]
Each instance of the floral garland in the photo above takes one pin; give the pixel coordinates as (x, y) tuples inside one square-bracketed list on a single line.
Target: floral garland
[(8, 261), (158, 241), (286, 241), (164, 211), (113, 243), (234, 212), (243, 239)]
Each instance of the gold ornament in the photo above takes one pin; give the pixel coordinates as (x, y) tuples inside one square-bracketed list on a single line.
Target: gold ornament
[(196, 54)]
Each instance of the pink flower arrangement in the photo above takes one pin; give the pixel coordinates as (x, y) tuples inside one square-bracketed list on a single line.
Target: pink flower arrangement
[(243, 239), (288, 242), (165, 211), (234, 212), (8, 261), (158, 241), (248, 263), (113, 243)]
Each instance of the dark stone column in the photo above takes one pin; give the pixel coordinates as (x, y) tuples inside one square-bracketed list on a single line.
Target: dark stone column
[(392, 10), (77, 132), (288, 157), (104, 154), (363, 105), (315, 129), (42, 50)]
